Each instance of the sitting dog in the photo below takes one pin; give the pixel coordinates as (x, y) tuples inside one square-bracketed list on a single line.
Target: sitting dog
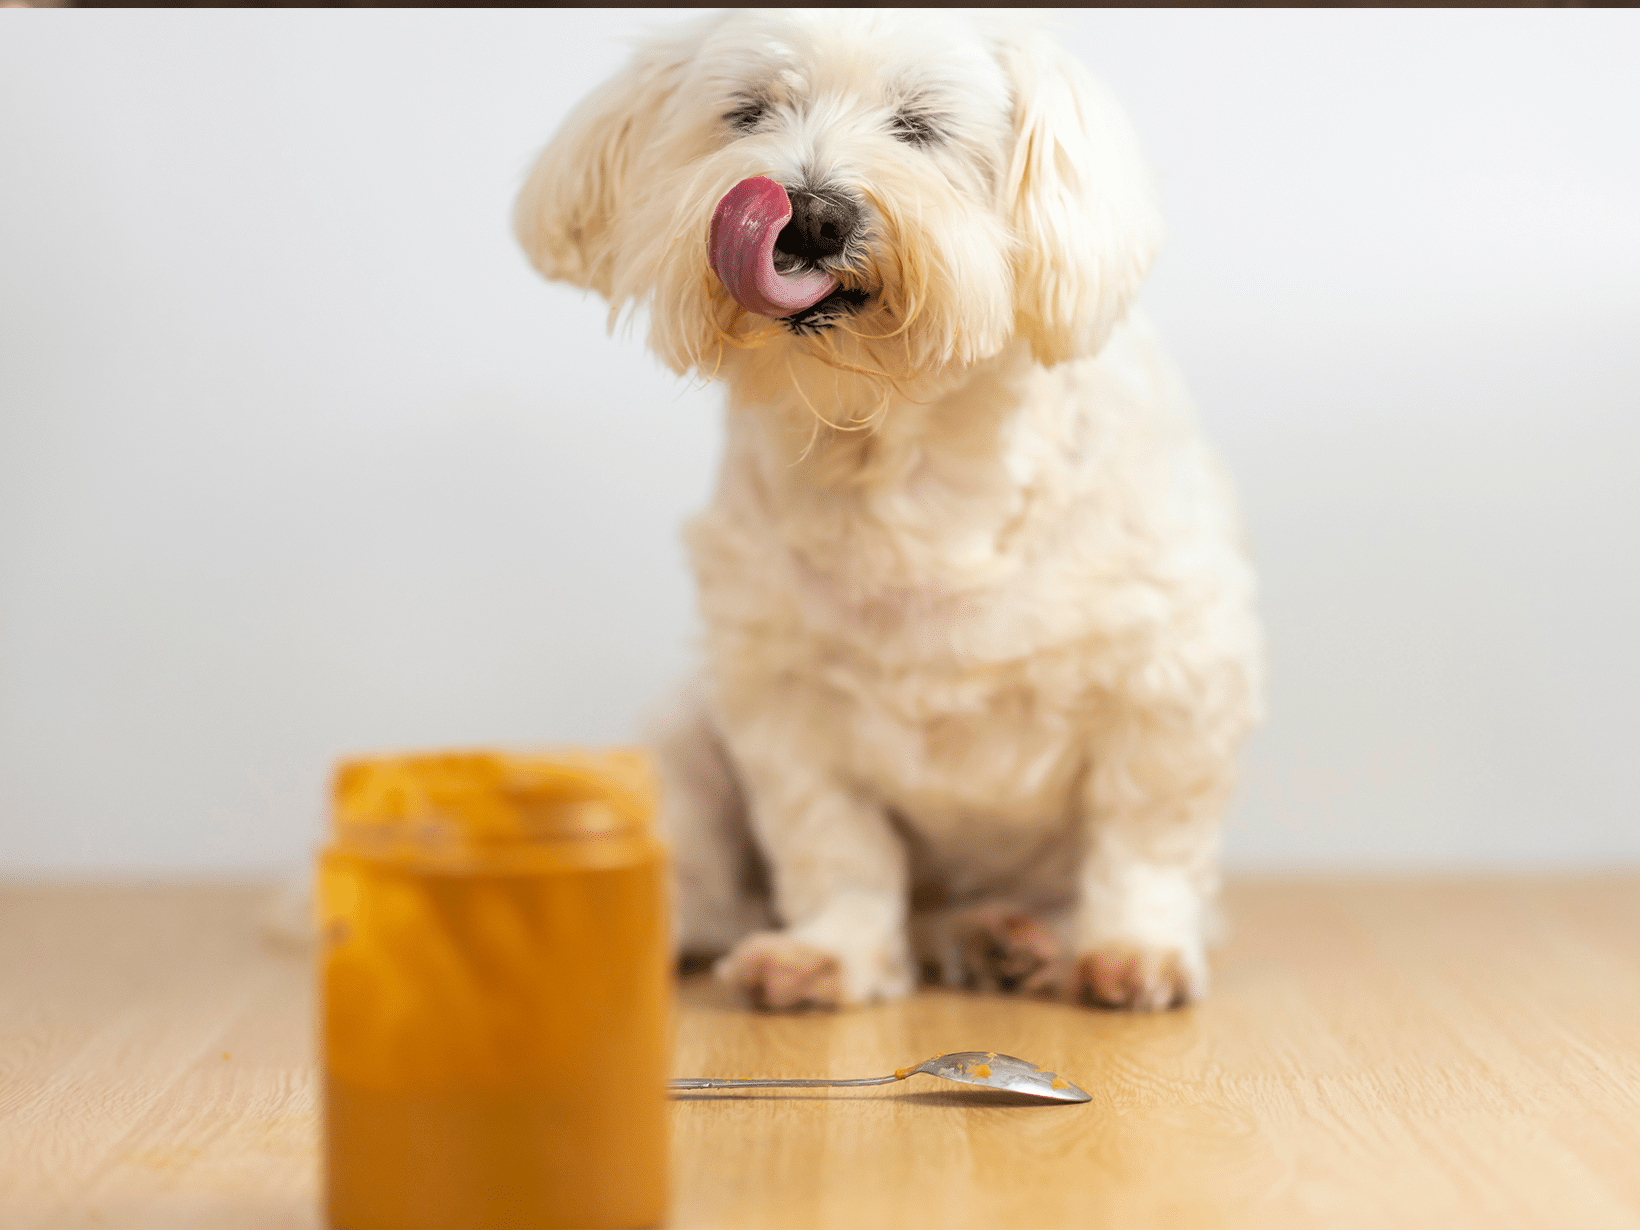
[(980, 633)]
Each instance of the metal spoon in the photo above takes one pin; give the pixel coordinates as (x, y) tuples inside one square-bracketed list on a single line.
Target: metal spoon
[(985, 1068)]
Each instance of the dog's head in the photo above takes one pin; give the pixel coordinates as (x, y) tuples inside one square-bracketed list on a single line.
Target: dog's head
[(952, 182)]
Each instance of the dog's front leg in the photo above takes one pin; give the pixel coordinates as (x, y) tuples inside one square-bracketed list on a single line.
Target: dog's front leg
[(1149, 873), (837, 870)]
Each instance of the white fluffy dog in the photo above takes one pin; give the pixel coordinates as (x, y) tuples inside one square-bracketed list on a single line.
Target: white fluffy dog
[(980, 628)]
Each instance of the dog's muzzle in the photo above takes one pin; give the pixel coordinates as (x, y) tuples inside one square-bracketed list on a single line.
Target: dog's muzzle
[(756, 217)]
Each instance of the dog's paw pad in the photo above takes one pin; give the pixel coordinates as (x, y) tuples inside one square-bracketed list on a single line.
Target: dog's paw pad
[(1143, 979), (778, 973), (996, 948), (1012, 951)]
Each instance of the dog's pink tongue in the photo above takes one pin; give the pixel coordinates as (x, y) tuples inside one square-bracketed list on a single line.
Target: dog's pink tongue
[(748, 220)]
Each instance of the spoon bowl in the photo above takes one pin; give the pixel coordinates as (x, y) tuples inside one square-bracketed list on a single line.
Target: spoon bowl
[(994, 1071)]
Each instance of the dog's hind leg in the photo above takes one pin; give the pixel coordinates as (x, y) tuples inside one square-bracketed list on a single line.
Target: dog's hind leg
[(994, 946), (719, 886)]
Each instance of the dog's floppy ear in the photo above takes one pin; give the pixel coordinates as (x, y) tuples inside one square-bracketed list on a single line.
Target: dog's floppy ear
[(1080, 199), (568, 214)]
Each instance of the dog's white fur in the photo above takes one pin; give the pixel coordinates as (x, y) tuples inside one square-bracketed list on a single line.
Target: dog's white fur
[(980, 625)]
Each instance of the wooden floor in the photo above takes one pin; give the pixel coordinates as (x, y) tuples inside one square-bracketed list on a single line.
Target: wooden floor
[(1374, 1054)]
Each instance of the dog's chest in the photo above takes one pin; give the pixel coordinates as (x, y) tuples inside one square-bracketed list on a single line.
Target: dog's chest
[(943, 644), (955, 534), (988, 742), (981, 774)]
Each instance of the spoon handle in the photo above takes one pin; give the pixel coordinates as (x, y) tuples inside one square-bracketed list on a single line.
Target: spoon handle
[(713, 1082)]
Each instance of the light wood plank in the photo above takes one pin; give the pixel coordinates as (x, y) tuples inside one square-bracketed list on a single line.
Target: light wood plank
[(1452, 1054), (157, 1061)]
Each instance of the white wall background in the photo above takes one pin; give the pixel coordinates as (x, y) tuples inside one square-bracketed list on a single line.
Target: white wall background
[(298, 458)]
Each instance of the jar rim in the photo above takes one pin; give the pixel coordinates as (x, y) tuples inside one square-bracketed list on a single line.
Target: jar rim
[(445, 801)]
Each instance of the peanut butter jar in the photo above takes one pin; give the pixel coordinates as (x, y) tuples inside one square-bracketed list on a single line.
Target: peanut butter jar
[(495, 983)]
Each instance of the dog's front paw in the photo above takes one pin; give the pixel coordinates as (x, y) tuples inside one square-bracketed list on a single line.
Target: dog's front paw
[(784, 969), (775, 971), (1141, 932), (1122, 975), (993, 947)]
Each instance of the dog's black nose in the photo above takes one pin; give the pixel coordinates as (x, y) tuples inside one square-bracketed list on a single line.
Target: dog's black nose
[(822, 222)]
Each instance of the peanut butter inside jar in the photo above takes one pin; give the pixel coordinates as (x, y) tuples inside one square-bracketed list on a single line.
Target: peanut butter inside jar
[(495, 980)]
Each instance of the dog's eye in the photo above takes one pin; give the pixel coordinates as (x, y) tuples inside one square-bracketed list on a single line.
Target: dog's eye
[(914, 127), (745, 115)]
